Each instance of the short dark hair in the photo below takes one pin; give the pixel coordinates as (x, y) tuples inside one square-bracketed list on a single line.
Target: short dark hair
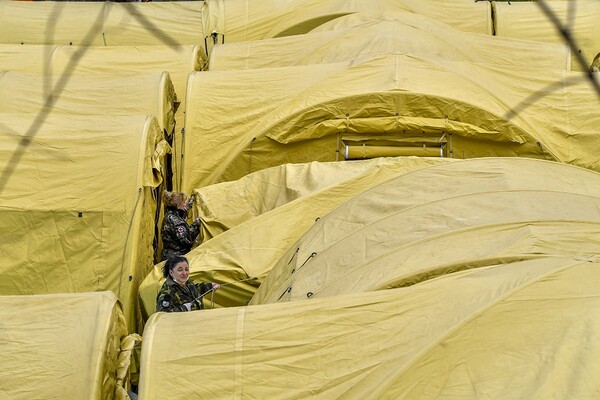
[(171, 263)]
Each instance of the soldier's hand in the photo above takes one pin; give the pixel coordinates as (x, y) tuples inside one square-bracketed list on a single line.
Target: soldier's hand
[(215, 286), (198, 220), (188, 306), (189, 203)]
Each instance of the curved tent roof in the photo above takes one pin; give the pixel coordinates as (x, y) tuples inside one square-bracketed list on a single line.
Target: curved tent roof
[(225, 205), (264, 118), (252, 248), (526, 20), (360, 36), (239, 20), (115, 60), (67, 62), (442, 219), (77, 200), (521, 330), (101, 23), (61, 346), (87, 94)]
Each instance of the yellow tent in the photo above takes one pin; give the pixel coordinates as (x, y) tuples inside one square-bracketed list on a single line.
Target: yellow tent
[(66, 62), (238, 122), (240, 20), (101, 24), (527, 329), (527, 20), (88, 94), (225, 205), (360, 36), (63, 346), (78, 207), (442, 219), (252, 248)]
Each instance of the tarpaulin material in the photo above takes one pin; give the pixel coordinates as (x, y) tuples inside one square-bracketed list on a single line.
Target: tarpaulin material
[(101, 23), (66, 62), (225, 205), (442, 219), (238, 122), (252, 248), (360, 36), (77, 205), (87, 94), (62, 346), (242, 20), (527, 20), (526, 329)]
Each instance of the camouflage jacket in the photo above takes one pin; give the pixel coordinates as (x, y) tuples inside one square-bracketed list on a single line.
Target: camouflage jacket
[(178, 237), (172, 295)]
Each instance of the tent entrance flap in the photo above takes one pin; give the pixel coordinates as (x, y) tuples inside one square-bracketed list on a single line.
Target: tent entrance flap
[(357, 147)]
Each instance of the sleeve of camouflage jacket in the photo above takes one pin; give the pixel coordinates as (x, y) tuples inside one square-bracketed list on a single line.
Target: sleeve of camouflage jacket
[(195, 229), (186, 234)]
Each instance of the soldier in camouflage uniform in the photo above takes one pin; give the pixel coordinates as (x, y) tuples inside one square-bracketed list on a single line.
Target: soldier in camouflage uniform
[(178, 237), (179, 293)]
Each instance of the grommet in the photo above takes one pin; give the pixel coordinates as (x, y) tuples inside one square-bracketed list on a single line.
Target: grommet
[(309, 294)]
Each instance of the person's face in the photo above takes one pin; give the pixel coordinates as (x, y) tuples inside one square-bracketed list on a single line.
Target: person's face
[(181, 272)]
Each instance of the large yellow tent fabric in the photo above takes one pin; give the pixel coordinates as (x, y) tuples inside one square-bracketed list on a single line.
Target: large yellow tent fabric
[(442, 219), (264, 118), (85, 94), (66, 62), (527, 329), (252, 248), (225, 205), (59, 59), (241, 20), (78, 209), (61, 346), (101, 23), (361, 36), (527, 20)]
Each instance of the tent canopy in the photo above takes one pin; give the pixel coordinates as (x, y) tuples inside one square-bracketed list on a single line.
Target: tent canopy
[(77, 200), (252, 248), (228, 204), (85, 94), (527, 20), (410, 229), (527, 329), (67, 62), (360, 36), (393, 100), (101, 23), (60, 346), (239, 20)]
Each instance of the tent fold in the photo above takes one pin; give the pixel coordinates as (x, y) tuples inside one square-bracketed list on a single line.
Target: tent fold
[(441, 219)]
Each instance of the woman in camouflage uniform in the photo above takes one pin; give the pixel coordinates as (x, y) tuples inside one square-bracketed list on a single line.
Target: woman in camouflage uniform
[(179, 293), (177, 236)]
